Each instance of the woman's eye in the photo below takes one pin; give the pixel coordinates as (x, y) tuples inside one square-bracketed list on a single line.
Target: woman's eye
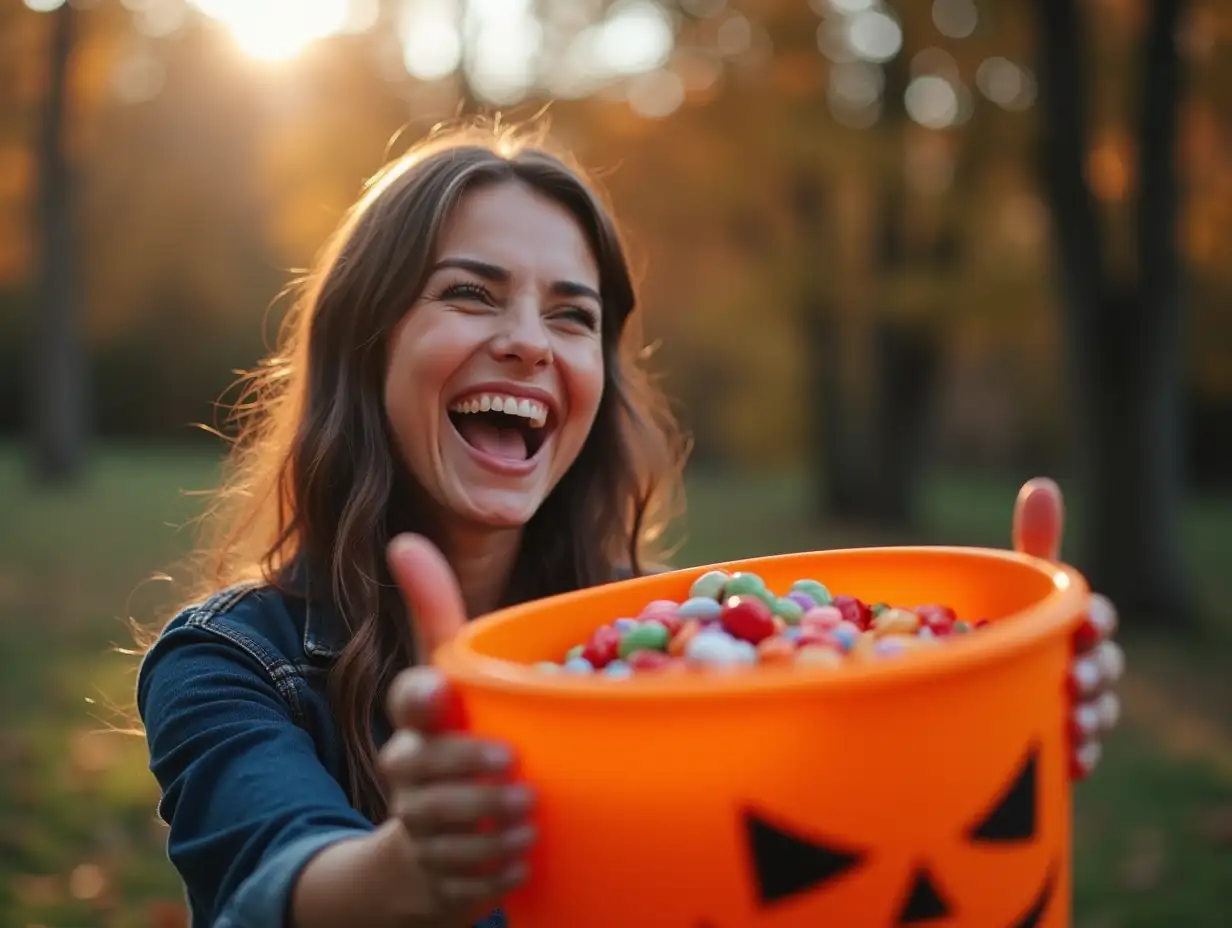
[(466, 291), (583, 317)]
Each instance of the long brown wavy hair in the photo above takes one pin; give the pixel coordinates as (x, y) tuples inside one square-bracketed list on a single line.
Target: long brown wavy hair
[(313, 479)]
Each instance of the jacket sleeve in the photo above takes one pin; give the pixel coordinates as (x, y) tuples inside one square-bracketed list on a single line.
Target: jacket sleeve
[(248, 801)]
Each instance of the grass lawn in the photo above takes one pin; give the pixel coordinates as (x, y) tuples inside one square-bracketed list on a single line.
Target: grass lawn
[(80, 843)]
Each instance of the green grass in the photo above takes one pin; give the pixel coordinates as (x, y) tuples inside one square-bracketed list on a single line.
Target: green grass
[(80, 844)]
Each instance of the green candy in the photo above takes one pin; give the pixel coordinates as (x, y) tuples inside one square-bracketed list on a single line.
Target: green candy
[(548, 667), (746, 584), (961, 628), (788, 610), (648, 636), (575, 652), (812, 588), (878, 608), (710, 585)]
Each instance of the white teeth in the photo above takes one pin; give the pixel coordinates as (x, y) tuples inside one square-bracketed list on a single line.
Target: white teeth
[(532, 410)]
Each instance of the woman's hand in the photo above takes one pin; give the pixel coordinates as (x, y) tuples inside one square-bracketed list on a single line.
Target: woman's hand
[(1039, 518), (466, 821)]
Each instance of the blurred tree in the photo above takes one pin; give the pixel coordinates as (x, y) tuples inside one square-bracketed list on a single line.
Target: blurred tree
[(910, 245), (57, 381), (1124, 326)]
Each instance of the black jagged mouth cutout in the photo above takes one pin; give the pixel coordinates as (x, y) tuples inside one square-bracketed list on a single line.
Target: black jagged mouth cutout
[(1034, 915), (1030, 919)]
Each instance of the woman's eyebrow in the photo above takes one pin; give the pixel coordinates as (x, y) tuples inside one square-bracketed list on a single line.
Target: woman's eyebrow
[(483, 269), (573, 288), (500, 275)]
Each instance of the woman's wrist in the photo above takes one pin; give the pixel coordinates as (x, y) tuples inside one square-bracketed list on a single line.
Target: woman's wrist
[(371, 881)]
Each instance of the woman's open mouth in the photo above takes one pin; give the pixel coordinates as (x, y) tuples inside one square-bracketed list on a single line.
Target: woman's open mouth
[(502, 427)]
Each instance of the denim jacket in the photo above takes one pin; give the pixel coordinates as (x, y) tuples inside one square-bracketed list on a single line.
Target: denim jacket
[(248, 757)]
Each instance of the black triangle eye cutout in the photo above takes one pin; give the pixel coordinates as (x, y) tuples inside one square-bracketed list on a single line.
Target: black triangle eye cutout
[(785, 865), (1013, 818), (924, 903)]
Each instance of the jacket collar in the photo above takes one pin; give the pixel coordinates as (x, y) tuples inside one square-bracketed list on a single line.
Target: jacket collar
[(324, 628), (325, 632)]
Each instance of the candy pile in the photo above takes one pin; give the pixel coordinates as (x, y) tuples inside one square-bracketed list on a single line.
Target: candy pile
[(734, 620)]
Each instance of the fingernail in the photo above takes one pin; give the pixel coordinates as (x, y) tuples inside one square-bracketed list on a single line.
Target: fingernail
[(1084, 677), (518, 799), (1110, 661), (1102, 615), (520, 838), (398, 544), (515, 874), (1086, 721), (425, 684), (496, 756), (1108, 708), (1088, 756), (1097, 626)]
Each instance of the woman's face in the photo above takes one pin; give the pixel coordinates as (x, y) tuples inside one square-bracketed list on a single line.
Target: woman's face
[(496, 372)]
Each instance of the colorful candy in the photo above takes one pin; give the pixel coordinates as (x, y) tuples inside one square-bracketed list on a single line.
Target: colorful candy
[(735, 621)]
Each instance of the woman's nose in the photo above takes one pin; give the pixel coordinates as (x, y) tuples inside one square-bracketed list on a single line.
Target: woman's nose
[(524, 336)]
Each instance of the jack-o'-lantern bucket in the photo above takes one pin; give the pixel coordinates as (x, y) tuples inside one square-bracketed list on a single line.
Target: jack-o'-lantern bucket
[(930, 788)]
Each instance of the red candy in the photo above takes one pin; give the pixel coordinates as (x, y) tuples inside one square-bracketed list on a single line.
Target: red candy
[(645, 659), (603, 647), (817, 638), (937, 619), (669, 620), (854, 611), (663, 641), (747, 618)]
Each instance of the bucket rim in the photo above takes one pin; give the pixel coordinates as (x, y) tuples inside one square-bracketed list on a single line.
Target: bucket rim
[(1058, 613)]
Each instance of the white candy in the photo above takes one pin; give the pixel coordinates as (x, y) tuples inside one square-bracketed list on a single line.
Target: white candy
[(712, 649), (745, 653)]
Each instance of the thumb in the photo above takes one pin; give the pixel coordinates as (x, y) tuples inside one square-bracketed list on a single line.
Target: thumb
[(1039, 519), (429, 589)]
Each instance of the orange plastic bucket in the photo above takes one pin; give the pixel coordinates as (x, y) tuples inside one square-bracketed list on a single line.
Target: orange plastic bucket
[(930, 788)]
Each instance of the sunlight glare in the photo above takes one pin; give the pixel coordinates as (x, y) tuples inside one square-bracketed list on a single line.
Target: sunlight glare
[(362, 15), (932, 101), (506, 40), (431, 45), (636, 38), (44, 6), (874, 36), (275, 30)]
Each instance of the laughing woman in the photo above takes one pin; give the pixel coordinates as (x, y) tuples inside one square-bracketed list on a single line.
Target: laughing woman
[(460, 369)]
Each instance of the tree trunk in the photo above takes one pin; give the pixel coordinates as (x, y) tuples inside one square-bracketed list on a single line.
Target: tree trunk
[(57, 377), (910, 359), (1124, 337), (872, 389), (839, 427)]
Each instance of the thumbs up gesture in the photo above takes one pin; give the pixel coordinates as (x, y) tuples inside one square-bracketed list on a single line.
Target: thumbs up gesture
[(1039, 519), (467, 822)]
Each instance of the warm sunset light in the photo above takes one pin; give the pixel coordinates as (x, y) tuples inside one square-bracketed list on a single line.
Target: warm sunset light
[(276, 30)]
